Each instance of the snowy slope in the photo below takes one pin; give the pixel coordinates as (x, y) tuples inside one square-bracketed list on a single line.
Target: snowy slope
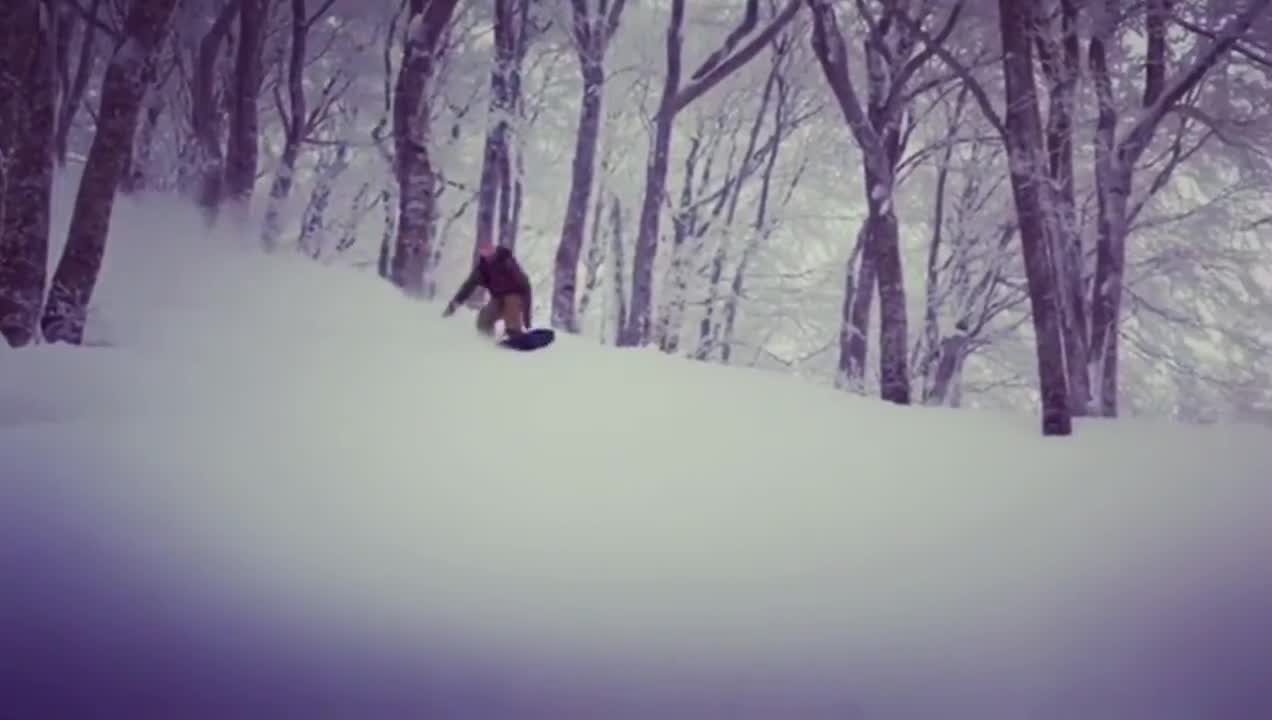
[(281, 490)]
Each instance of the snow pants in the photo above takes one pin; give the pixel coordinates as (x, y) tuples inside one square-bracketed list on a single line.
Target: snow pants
[(509, 308)]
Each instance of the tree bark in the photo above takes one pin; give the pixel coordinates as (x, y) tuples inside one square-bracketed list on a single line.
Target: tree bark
[(877, 130), (592, 32), (567, 256), (136, 179), (130, 70), (636, 330), (1116, 159), (859, 290), (618, 253), (510, 25), (27, 99), (1024, 147), (243, 147), (73, 93), (725, 61), (294, 120), (205, 117), (1060, 64), (412, 135)]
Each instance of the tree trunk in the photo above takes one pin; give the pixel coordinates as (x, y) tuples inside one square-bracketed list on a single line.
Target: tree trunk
[(384, 259), (243, 147), (684, 225), (594, 265), (293, 127), (618, 253), (724, 61), (1024, 147), (949, 364), (493, 202), (1116, 160), (27, 100), (1060, 63), (567, 256), (137, 178), (411, 131), (635, 330), (130, 70), (876, 129), (894, 371), (205, 117), (859, 290), (313, 222), (496, 187), (931, 326), (74, 93)]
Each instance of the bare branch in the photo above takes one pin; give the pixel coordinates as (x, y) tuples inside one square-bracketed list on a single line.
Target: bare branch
[(322, 10), (701, 85), (973, 85), (918, 61), (749, 21), (91, 18), (1237, 47), (611, 22), (1140, 134)]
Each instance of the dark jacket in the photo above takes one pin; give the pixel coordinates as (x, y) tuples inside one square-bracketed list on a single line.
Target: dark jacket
[(501, 275)]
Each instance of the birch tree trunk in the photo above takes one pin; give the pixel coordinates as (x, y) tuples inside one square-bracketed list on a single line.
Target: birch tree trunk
[(243, 147), (206, 118), (1116, 159), (494, 201), (293, 127), (719, 65), (1060, 64), (27, 95), (1023, 126), (130, 70), (73, 93), (877, 128), (592, 32), (412, 135)]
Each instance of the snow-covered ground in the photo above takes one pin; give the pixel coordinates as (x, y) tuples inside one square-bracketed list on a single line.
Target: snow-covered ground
[(281, 490)]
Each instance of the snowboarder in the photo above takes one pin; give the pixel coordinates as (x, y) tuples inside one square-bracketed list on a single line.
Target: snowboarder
[(499, 273)]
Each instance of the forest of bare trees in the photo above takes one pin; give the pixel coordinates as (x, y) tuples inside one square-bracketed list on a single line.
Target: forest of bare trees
[(1060, 204)]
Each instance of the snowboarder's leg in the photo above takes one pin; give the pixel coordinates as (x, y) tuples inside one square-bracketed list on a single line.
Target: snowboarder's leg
[(487, 316), (513, 306)]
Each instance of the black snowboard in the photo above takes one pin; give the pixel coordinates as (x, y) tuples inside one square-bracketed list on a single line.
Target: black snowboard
[(530, 340)]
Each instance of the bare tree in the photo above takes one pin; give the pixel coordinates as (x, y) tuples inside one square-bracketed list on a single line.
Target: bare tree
[(1116, 158), (299, 121), (27, 93), (1059, 53), (205, 118), (130, 70), (595, 22), (411, 132), (1021, 129), (499, 192), (971, 277), (880, 130), (1023, 125), (73, 88), (243, 148), (724, 61)]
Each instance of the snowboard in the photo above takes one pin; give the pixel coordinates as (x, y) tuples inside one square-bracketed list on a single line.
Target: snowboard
[(530, 340)]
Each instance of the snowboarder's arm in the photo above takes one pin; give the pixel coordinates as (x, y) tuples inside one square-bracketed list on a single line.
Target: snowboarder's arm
[(466, 289)]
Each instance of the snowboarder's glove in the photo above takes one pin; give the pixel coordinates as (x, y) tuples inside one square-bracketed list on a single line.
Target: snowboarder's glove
[(450, 309)]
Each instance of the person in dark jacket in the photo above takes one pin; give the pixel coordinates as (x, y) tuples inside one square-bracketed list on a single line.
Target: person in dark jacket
[(499, 273)]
